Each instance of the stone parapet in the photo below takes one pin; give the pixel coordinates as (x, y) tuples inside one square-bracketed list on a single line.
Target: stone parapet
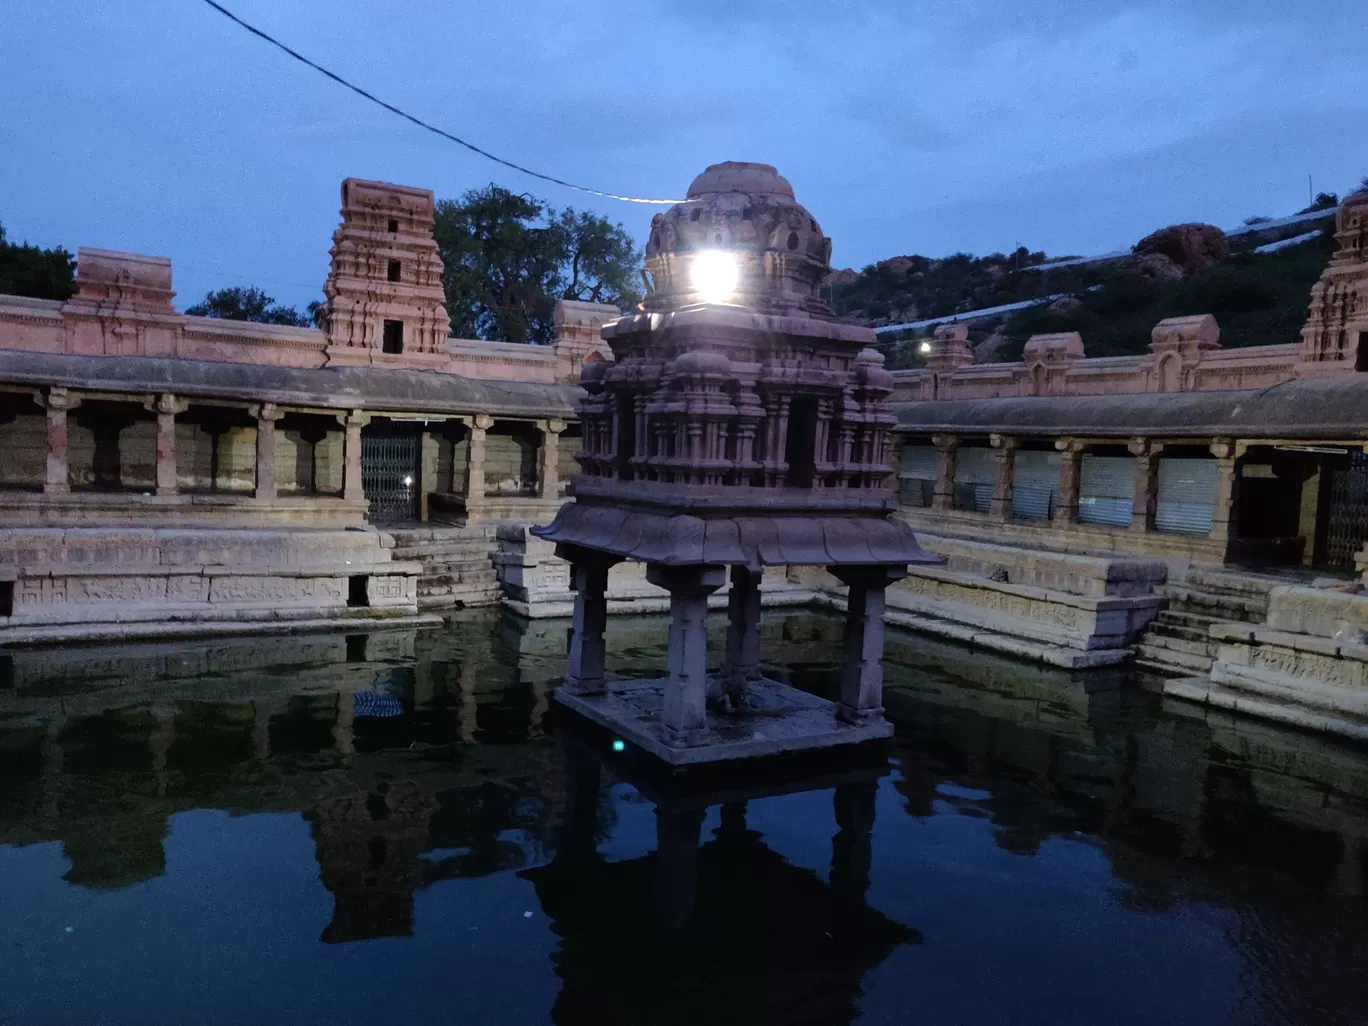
[(1092, 576), (57, 579)]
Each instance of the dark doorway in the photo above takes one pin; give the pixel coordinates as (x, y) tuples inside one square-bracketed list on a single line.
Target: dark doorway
[(390, 471), (1361, 353), (800, 451)]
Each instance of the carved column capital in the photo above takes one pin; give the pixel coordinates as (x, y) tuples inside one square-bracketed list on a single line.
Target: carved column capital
[(1004, 442), (354, 418), (1140, 447), (1073, 446), (482, 422), (1223, 449), (166, 403), (944, 442), (269, 412), (57, 399)]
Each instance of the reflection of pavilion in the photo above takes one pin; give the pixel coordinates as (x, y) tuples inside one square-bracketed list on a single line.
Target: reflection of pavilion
[(720, 931)]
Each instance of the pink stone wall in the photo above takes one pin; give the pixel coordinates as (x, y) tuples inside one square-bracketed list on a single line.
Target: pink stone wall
[(122, 307)]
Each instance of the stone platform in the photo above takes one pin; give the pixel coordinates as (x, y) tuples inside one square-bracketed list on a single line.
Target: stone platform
[(781, 720)]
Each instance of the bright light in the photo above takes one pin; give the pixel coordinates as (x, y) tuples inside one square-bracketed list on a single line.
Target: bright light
[(408, 480), (619, 745), (925, 348), (715, 275)]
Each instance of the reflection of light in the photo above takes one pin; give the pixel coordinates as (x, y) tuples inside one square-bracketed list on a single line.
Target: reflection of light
[(925, 347), (408, 480), (619, 745), (715, 275)]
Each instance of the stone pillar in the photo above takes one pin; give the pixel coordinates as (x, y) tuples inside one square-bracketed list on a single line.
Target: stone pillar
[(166, 406), (548, 467), (475, 459), (1001, 506), (1066, 492), (589, 575), (862, 682), (266, 415), (1146, 497), (686, 691), (427, 471), (1227, 491), (742, 662), (57, 402), (943, 498), (353, 422)]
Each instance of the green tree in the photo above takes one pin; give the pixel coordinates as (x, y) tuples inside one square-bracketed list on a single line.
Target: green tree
[(248, 304), (509, 257), (39, 273)]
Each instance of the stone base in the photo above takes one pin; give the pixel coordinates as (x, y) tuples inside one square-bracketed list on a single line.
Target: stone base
[(781, 720)]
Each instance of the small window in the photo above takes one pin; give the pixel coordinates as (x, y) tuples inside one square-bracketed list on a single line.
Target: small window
[(793, 240), (1361, 354), (393, 225), (395, 267), (393, 341), (6, 598), (356, 593)]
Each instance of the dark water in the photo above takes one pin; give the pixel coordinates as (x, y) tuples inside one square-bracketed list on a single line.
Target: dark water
[(380, 828)]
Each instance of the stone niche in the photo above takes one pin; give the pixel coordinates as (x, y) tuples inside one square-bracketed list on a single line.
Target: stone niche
[(90, 582)]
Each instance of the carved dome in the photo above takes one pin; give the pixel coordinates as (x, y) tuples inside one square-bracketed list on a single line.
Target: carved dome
[(748, 210)]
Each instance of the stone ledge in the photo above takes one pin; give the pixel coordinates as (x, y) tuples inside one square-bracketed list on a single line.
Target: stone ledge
[(366, 619), (1268, 707), (790, 721)]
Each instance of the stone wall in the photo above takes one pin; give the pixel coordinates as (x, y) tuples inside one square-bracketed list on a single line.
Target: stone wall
[(60, 583)]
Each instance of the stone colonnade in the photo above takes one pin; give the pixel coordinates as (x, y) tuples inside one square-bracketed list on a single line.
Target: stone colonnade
[(1071, 450), (59, 404), (689, 688)]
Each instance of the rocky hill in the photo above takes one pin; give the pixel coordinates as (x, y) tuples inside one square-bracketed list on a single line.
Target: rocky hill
[(1256, 281)]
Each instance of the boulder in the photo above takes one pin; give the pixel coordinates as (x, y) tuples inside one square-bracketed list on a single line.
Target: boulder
[(1188, 247)]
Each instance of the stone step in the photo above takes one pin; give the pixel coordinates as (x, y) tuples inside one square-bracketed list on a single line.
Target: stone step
[(1189, 646), (1176, 630), (422, 552), (1151, 667), (1225, 607), (1178, 618), (1223, 582), (1167, 657)]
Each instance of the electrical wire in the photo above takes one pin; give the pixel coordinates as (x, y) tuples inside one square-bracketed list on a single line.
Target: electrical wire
[(423, 124)]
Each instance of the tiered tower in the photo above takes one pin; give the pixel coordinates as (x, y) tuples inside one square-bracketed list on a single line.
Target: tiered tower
[(1337, 327), (384, 289), (739, 425)]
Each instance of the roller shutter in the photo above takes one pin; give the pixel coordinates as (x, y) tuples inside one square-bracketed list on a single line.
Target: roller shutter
[(918, 474), (975, 471), (1187, 496), (1106, 490), (1035, 476)]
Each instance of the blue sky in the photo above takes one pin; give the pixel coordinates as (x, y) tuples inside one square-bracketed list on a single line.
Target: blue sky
[(1076, 126)]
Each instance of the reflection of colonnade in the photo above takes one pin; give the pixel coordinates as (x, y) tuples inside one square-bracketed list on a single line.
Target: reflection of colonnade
[(100, 746)]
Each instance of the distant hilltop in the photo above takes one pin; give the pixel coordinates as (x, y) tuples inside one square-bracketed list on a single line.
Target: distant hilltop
[(1254, 278)]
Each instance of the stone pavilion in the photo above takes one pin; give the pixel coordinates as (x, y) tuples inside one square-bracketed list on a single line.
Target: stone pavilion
[(739, 426)]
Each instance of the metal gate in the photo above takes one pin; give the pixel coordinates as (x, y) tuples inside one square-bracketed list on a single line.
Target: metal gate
[(389, 471), (1347, 526)]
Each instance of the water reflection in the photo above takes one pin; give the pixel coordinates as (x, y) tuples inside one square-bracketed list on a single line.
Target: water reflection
[(1036, 831)]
